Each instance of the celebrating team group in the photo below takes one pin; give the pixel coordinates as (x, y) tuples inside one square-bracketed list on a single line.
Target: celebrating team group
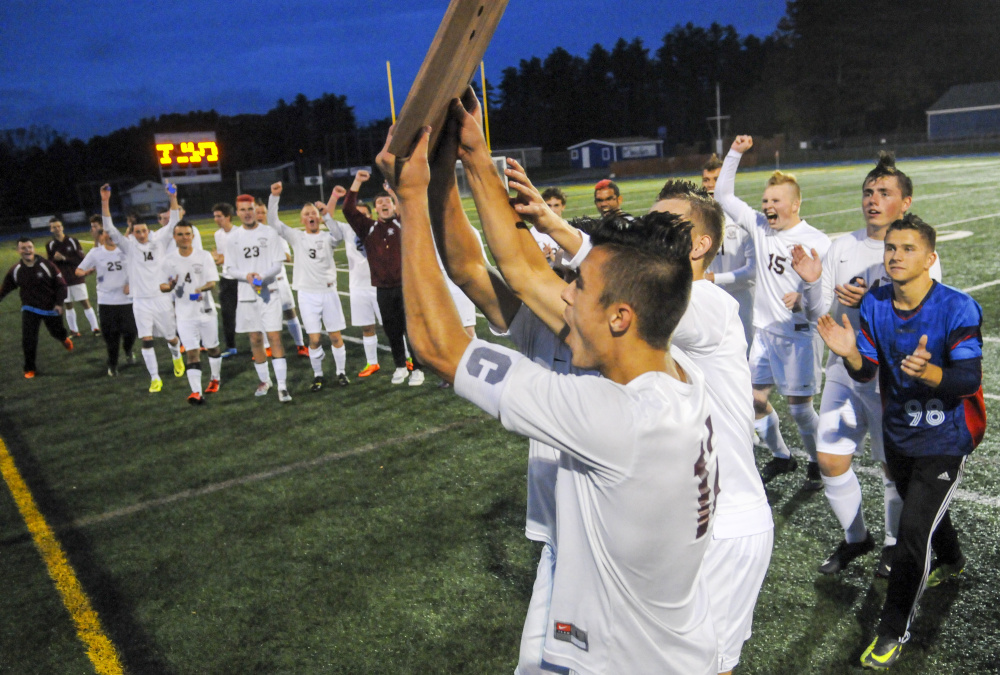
[(646, 351)]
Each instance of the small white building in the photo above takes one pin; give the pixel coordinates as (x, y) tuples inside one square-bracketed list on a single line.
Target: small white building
[(147, 199)]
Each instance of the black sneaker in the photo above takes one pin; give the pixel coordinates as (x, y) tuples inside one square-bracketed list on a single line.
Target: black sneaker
[(845, 553), (778, 466), (317, 383), (814, 481), (881, 653), (884, 562), (342, 380)]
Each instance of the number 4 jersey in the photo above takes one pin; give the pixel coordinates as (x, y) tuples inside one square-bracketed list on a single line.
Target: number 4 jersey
[(919, 420)]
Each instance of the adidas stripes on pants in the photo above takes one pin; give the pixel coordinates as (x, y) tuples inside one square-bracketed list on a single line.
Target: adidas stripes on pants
[(926, 485)]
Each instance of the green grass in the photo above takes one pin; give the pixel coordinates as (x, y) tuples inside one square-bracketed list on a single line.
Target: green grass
[(409, 556)]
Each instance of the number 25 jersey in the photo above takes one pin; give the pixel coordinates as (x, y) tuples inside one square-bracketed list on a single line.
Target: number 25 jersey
[(919, 420)]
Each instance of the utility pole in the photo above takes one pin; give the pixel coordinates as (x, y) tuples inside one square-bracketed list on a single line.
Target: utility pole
[(717, 118)]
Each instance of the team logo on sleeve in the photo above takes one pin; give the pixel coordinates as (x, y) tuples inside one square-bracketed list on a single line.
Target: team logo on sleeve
[(567, 632), (487, 365)]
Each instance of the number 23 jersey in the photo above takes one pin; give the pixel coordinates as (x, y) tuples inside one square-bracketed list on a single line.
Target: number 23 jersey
[(919, 420)]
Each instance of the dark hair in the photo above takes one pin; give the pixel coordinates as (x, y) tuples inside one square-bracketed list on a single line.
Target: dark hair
[(224, 208), (712, 164), (54, 219), (606, 184), (366, 207), (258, 202), (649, 268), (184, 223), (887, 167), (96, 219), (704, 210), (554, 193), (911, 221), (21, 240), (382, 194)]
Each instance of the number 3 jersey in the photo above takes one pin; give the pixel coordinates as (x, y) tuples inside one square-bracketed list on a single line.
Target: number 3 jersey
[(918, 420)]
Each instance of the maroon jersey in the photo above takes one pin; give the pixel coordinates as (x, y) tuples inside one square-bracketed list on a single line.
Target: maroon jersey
[(41, 285), (381, 240), (71, 249)]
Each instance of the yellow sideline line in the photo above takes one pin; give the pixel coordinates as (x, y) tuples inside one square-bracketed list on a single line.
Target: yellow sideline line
[(100, 650)]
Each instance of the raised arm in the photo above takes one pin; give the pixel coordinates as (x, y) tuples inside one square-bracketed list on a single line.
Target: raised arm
[(521, 262), (457, 243), (433, 326), (165, 234), (358, 221), (725, 186), (534, 210), (109, 225), (287, 233)]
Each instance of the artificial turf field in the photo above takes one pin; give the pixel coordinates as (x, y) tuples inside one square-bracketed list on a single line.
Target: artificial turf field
[(379, 529)]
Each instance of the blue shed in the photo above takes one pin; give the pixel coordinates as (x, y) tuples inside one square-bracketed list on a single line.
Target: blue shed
[(965, 111), (599, 152)]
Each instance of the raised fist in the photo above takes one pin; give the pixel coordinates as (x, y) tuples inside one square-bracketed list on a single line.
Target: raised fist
[(276, 189)]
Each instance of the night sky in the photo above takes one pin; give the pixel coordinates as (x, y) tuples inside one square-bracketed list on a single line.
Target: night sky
[(88, 68)]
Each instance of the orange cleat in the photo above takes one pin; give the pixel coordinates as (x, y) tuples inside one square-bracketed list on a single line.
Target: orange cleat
[(213, 387), (268, 352), (68, 344), (409, 364), (370, 369), (29, 374), (196, 399), (302, 350)]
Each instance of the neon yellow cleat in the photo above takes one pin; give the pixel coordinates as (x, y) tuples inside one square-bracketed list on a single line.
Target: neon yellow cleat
[(156, 386), (881, 653), (179, 367)]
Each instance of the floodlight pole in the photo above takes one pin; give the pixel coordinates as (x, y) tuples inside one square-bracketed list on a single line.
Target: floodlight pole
[(319, 172), (718, 121)]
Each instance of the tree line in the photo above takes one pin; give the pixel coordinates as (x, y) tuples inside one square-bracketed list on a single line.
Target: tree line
[(830, 69)]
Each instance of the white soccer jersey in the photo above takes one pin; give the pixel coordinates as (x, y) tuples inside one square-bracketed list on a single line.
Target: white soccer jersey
[(851, 256), (192, 272), (144, 260), (734, 265), (359, 272), (257, 250), (112, 274), (635, 495), (711, 334), (221, 242), (534, 339), (773, 252), (314, 269), (195, 239)]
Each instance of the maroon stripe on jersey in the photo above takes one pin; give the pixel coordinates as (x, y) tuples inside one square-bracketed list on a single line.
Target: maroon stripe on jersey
[(975, 416)]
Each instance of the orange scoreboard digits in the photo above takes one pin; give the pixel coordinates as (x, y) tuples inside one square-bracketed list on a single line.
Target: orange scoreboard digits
[(191, 157)]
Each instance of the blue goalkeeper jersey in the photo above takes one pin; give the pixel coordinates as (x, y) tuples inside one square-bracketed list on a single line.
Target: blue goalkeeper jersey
[(918, 420)]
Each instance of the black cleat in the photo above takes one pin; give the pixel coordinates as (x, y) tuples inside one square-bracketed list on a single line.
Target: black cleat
[(845, 553), (317, 383), (342, 380), (778, 466), (941, 572), (881, 653), (884, 562), (814, 481)]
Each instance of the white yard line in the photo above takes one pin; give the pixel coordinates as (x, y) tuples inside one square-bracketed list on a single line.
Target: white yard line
[(960, 494), (972, 289), (273, 473), (967, 220)]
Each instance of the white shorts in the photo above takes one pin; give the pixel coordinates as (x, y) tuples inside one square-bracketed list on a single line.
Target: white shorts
[(257, 316), (536, 623), (204, 331), (77, 293), (321, 307), (364, 307), (466, 310), (846, 414), (792, 365), (155, 317), (734, 571), (285, 294)]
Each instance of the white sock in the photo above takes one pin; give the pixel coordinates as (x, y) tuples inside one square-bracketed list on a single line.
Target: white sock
[(280, 372), (844, 494), (194, 377), (893, 509), (339, 357), (316, 359), (71, 320), (175, 350), (263, 374), (807, 420), (371, 348), (149, 356), (215, 364), (296, 330), (768, 429), (267, 343), (91, 318)]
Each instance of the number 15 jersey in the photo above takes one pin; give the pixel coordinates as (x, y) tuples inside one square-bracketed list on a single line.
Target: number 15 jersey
[(919, 420)]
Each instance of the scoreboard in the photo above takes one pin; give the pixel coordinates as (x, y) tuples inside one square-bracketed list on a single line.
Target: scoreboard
[(190, 157)]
